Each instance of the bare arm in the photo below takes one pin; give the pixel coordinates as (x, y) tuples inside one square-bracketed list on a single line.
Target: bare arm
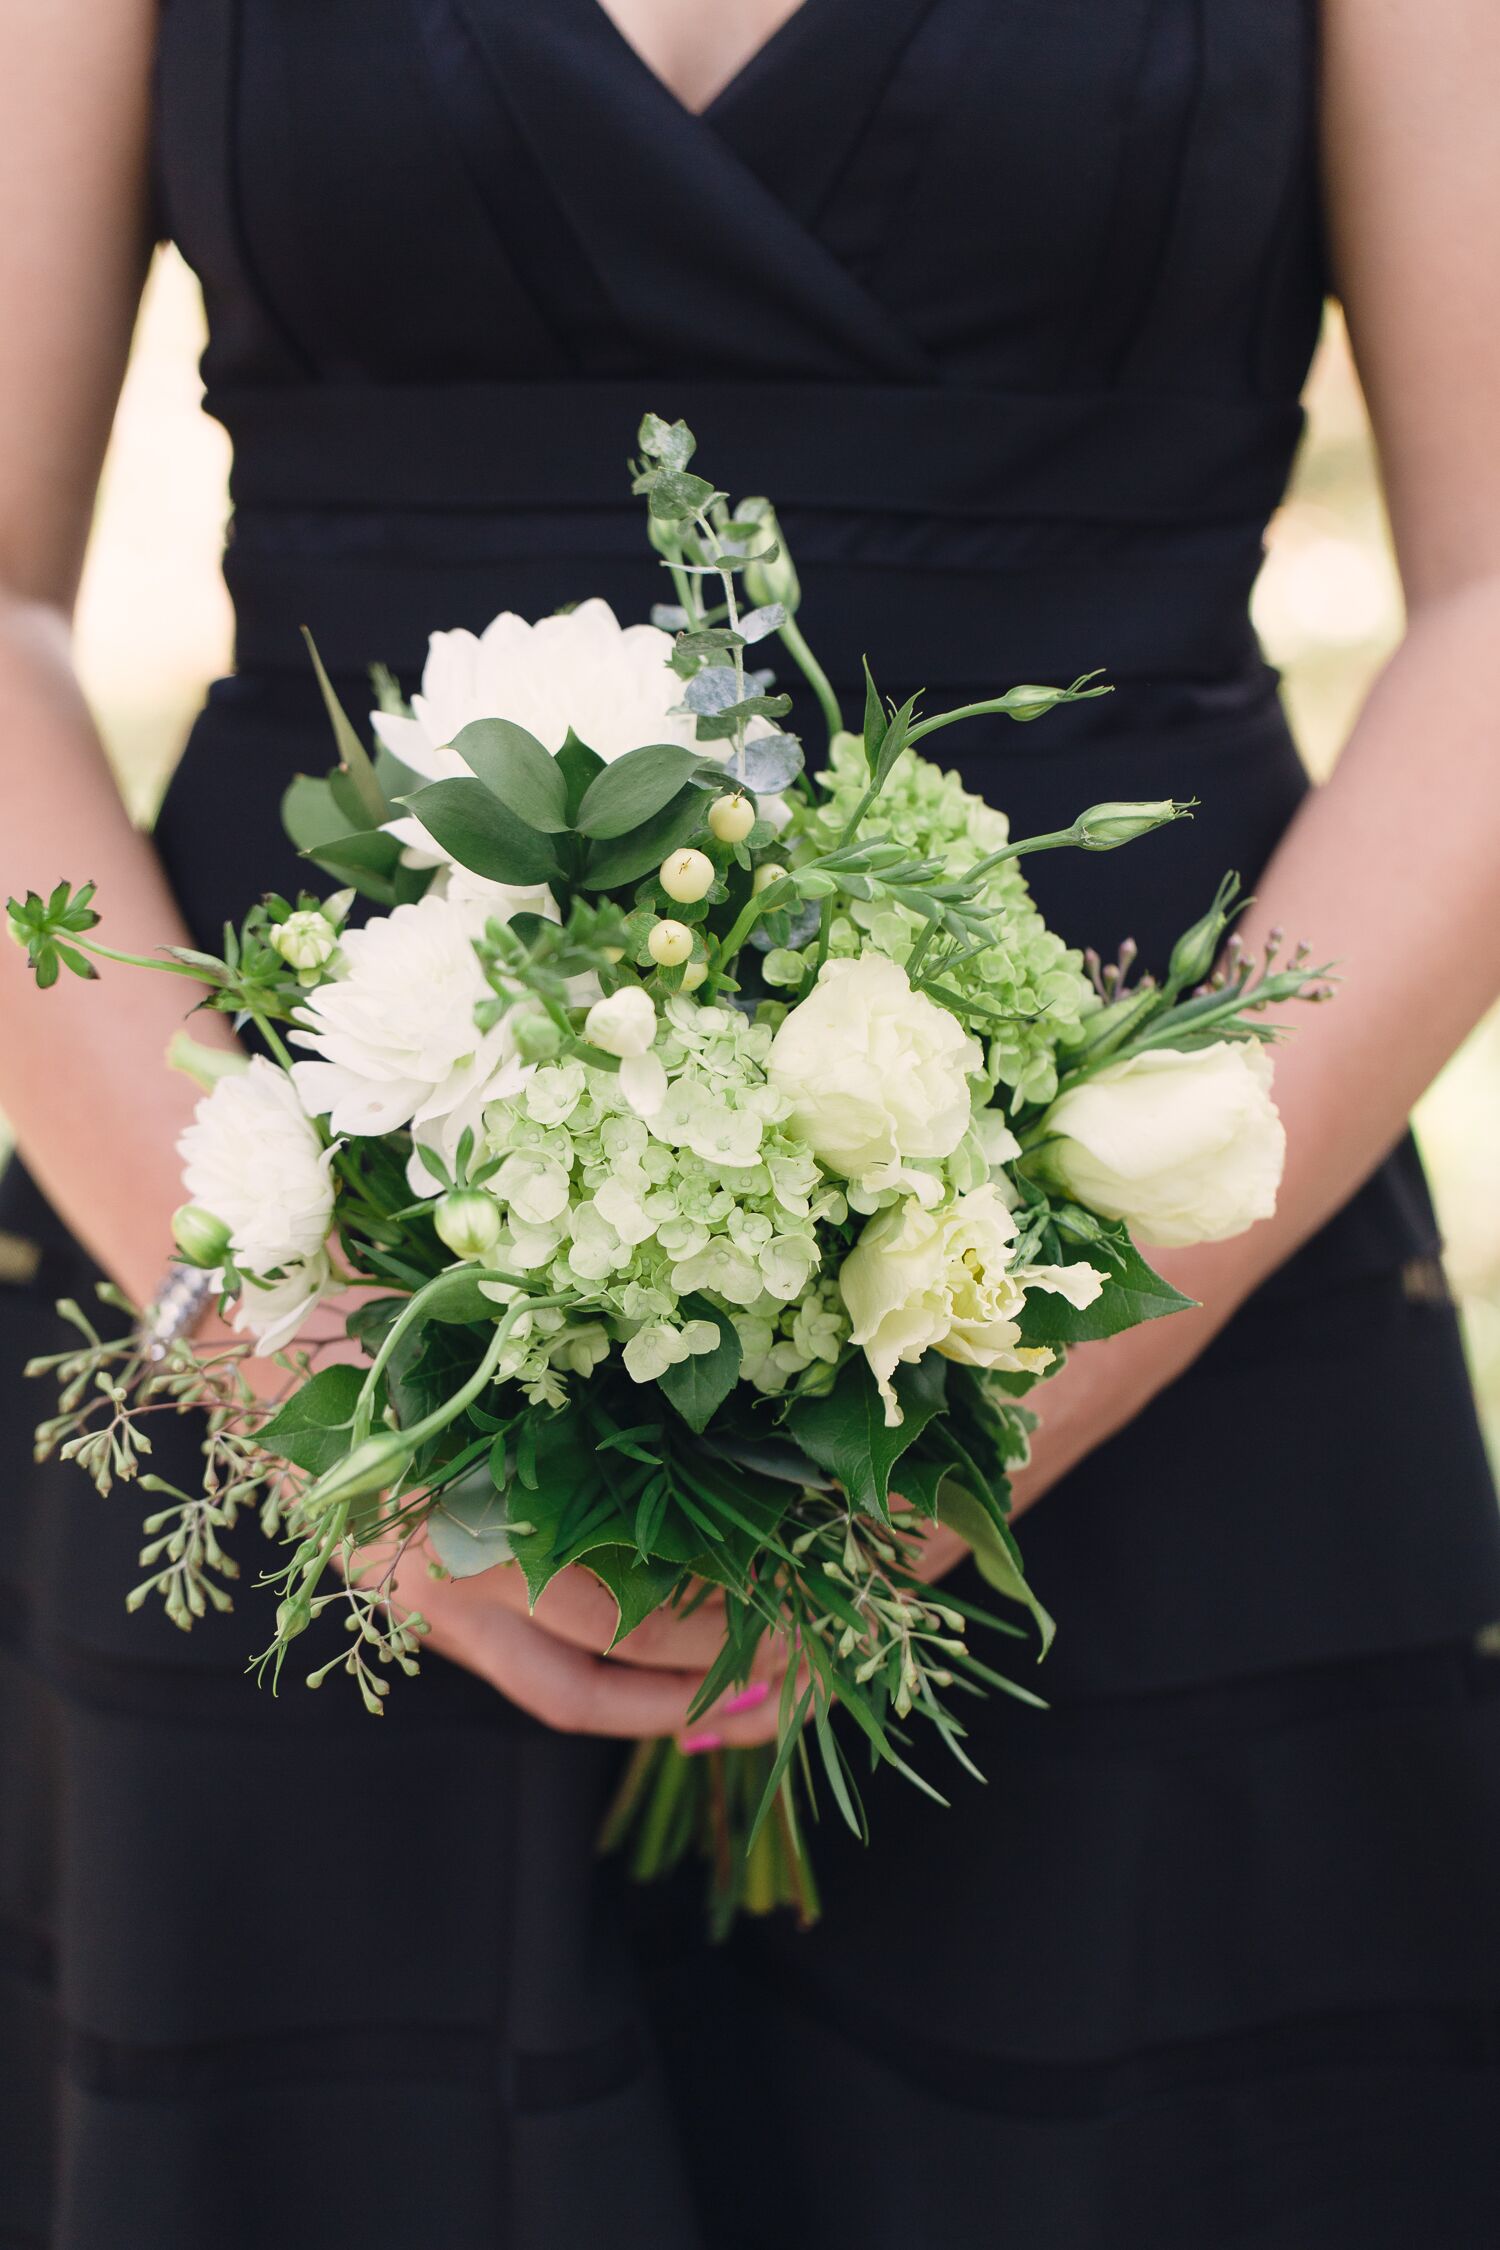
[(1391, 867), (81, 1074)]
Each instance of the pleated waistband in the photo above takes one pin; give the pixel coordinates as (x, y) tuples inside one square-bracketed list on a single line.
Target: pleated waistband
[(1067, 532)]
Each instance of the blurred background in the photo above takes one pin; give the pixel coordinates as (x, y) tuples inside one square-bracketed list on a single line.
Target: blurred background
[(154, 628)]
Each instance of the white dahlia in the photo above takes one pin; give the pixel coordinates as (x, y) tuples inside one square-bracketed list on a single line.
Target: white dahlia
[(253, 1158), (610, 683), (396, 1035)]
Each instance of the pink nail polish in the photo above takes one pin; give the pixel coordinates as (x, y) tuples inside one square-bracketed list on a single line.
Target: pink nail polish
[(749, 1699), (691, 1744)]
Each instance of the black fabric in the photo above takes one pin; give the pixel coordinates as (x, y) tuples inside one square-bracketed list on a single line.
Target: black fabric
[(1009, 303)]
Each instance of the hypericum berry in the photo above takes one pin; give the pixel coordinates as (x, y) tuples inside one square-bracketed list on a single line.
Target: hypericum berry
[(469, 1222), (731, 818), (769, 871), (201, 1239), (693, 975), (670, 944), (687, 875)]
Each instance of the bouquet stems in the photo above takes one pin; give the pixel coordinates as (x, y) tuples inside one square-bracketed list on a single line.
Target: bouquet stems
[(668, 1804)]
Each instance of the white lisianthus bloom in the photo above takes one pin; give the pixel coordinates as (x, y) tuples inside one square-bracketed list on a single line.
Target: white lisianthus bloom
[(875, 1073), (253, 1158), (624, 1024), (396, 1035), (920, 1280), (1185, 1147), (610, 683)]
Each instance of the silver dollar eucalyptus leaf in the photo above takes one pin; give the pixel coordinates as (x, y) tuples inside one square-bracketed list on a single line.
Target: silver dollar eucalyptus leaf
[(712, 690), (668, 618), (755, 625), (772, 763)]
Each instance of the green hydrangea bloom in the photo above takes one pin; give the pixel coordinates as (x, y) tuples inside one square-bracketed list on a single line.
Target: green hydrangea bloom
[(708, 1196), (1027, 973)]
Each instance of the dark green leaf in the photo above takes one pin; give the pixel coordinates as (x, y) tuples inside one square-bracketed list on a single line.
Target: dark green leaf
[(578, 765), (1132, 1293), (474, 828), (845, 1431), (697, 1386), (624, 859), (312, 1429), (639, 1587), (995, 1551), (635, 787), (354, 758), (517, 769)]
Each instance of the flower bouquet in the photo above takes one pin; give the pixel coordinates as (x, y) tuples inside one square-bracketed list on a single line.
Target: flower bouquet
[(722, 1154)]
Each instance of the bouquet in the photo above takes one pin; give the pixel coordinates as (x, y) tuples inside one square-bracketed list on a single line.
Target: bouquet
[(723, 1153)]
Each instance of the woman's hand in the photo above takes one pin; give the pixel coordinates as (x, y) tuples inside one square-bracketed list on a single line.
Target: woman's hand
[(552, 1661)]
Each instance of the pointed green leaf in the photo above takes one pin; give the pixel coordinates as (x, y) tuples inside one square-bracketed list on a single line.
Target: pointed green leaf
[(517, 769), (353, 756), (474, 828), (845, 1431), (636, 787), (312, 1428), (996, 1554), (697, 1386)]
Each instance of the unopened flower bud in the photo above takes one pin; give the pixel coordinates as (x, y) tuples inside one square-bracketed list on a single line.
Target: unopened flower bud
[(201, 1239), (307, 940), (687, 875), (775, 580), (468, 1222), (1196, 951), (731, 818), (373, 1466), (670, 944), (1102, 827), (537, 1037)]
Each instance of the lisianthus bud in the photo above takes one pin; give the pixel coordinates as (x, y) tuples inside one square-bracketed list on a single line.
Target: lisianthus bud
[(731, 818), (670, 944), (374, 1465), (1196, 951), (776, 580), (687, 875), (1102, 827), (469, 1222), (537, 1037), (201, 1239), (306, 941)]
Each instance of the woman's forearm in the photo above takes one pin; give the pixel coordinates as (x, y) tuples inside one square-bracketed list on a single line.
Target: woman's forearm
[(1390, 869), (83, 1077)]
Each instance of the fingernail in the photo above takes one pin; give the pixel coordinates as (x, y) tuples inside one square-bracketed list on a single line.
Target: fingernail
[(691, 1744), (749, 1699)]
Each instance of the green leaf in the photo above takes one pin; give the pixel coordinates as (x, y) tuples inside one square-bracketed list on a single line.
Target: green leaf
[(474, 828), (845, 1431), (671, 443), (624, 859), (369, 860), (309, 813), (467, 1527), (892, 743), (996, 1554), (354, 758), (639, 1586), (636, 787), (578, 765), (517, 769), (312, 1429), (875, 721), (1132, 1293), (697, 1386)]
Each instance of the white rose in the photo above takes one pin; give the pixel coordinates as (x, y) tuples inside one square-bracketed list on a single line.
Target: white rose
[(920, 1280), (874, 1071), (1184, 1147), (396, 1033)]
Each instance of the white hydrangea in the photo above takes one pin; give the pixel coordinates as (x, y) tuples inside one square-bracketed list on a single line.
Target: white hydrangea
[(253, 1158)]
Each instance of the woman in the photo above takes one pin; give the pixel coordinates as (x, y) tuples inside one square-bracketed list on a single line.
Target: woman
[(1010, 307)]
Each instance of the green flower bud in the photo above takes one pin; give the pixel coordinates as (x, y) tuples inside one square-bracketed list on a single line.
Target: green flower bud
[(776, 580), (1196, 951), (201, 1239), (469, 1222), (1103, 827), (374, 1465), (537, 1038), (306, 940)]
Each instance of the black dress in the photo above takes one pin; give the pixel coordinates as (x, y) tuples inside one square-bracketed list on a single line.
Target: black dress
[(1009, 303)]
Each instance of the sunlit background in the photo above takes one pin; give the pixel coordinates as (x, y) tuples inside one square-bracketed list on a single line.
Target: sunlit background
[(155, 627)]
